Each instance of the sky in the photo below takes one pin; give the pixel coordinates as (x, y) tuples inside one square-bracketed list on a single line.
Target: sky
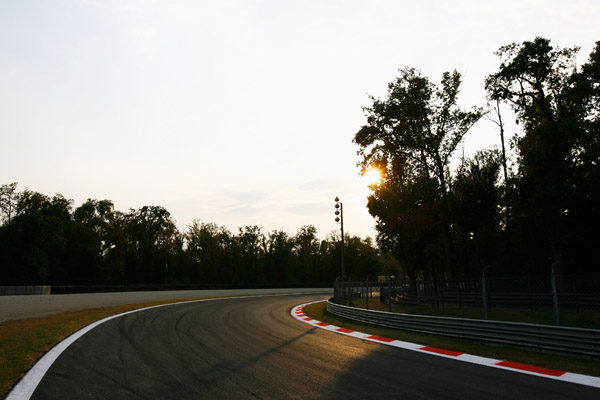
[(237, 112)]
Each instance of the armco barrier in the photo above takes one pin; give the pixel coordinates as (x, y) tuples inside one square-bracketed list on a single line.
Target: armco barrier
[(565, 340)]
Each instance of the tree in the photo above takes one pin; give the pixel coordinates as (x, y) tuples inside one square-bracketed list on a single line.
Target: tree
[(207, 245), (151, 241), (9, 198), (584, 212), (475, 205), (415, 131), (306, 249), (555, 104), (280, 261), (249, 245), (46, 241), (408, 224), (506, 195), (89, 242), (34, 244)]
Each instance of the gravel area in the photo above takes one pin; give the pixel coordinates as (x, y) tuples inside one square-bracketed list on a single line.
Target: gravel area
[(28, 306)]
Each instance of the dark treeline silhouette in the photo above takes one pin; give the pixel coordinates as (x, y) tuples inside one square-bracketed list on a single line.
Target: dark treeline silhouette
[(45, 240), (530, 205), (542, 211)]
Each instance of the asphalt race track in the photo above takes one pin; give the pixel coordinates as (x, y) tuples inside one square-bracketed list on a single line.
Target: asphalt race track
[(252, 348)]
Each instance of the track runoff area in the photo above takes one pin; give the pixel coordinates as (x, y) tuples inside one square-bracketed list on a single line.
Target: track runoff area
[(298, 313)]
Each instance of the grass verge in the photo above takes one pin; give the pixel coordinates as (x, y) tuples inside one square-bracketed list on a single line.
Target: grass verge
[(582, 319), (558, 362), (24, 341)]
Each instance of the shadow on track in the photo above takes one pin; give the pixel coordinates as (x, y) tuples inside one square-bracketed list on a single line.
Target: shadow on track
[(389, 373)]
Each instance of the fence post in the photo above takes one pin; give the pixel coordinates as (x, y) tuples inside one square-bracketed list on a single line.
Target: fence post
[(336, 291), (418, 296), (368, 292), (530, 296), (576, 294), (483, 293), (389, 293), (555, 295), (362, 290)]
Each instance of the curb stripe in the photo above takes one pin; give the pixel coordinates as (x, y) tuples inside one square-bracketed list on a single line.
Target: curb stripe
[(531, 368), (380, 338), (441, 351), (579, 379)]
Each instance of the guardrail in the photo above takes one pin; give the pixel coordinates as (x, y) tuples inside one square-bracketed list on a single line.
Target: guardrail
[(565, 340)]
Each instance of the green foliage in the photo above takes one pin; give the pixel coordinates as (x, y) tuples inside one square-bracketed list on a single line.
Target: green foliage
[(475, 212), (557, 104), (8, 201), (411, 135), (440, 223), (47, 242)]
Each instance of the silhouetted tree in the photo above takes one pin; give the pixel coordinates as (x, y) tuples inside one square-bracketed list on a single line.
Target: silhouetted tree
[(475, 212), (555, 104), (413, 133)]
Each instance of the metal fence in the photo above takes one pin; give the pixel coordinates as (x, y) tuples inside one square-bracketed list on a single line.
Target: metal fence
[(565, 340), (576, 293)]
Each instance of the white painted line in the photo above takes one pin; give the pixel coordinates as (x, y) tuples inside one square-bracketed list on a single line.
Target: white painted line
[(27, 385), (488, 362), (477, 360)]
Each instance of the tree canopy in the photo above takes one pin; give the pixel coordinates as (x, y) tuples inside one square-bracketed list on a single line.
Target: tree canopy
[(411, 135), (45, 240), (444, 222)]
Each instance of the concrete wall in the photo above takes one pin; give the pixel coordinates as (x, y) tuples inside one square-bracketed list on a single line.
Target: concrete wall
[(15, 307), (23, 290)]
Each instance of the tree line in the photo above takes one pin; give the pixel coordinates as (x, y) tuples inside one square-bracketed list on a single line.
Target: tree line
[(46, 240), (524, 207)]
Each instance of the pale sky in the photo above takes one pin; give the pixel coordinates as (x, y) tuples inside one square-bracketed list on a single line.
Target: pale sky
[(236, 112)]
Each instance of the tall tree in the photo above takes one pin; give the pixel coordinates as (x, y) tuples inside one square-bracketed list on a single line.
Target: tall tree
[(151, 236), (250, 246), (542, 85), (419, 125), (306, 248), (475, 204), (279, 257), (9, 198), (207, 245), (89, 241)]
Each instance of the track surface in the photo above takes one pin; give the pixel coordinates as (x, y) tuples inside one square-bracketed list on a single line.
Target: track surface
[(27, 306), (253, 348)]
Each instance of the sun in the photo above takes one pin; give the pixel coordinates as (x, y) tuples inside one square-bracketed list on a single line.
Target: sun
[(373, 176)]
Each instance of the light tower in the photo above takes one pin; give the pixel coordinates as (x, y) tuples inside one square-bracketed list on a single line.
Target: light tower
[(339, 218)]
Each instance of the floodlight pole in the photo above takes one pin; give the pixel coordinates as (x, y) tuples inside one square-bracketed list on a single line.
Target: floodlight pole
[(342, 230), (340, 212)]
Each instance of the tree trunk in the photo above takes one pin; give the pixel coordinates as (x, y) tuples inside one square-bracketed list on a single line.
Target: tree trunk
[(446, 234)]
